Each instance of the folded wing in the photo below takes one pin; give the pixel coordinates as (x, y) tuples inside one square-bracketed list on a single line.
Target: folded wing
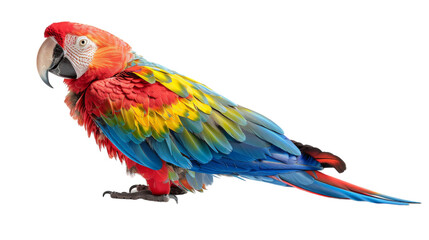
[(151, 114)]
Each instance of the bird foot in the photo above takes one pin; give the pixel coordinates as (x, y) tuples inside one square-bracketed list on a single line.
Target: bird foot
[(143, 192), (173, 189)]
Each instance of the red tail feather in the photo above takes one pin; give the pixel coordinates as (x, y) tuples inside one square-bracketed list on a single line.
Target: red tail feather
[(321, 177), (321, 184), (325, 158)]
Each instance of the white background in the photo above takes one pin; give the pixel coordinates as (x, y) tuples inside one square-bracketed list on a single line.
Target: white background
[(349, 77)]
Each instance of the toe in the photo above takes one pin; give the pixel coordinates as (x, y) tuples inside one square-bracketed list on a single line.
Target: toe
[(107, 192)]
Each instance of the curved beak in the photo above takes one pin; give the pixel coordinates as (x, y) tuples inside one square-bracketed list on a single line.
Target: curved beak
[(51, 59)]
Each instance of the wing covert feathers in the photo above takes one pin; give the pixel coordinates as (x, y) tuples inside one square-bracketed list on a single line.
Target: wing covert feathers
[(177, 118)]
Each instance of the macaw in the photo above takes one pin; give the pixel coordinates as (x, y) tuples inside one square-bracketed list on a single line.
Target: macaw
[(174, 131)]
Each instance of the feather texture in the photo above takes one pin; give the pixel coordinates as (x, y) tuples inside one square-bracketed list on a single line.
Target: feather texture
[(174, 130), (182, 121)]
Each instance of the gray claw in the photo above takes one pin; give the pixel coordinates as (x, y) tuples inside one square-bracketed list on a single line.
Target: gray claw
[(107, 192), (133, 186), (171, 196)]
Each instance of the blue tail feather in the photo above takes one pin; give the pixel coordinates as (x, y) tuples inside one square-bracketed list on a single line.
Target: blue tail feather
[(305, 181)]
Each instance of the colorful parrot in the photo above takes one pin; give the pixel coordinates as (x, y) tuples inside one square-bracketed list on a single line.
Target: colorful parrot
[(174, 131)]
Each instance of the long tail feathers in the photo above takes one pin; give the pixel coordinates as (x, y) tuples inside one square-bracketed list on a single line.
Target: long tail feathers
[(322, 184)]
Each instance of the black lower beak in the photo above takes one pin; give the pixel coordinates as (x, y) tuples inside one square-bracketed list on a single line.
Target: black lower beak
[(51, 58), (61, 66)]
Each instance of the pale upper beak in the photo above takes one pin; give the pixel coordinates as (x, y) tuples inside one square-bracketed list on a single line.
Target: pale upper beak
[(51, 59)]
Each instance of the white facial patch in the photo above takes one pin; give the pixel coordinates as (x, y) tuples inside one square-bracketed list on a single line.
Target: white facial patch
[(79, 50)]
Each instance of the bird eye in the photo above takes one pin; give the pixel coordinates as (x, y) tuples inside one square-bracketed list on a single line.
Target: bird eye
[(83, 42)]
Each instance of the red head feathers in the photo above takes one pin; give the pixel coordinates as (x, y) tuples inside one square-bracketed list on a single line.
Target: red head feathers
[(107, 56)]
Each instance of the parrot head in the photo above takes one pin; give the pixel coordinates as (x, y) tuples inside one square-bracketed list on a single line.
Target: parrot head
[(81, 53)]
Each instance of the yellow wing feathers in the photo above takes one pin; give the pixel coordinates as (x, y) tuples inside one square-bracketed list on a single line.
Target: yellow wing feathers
[(194, 102)]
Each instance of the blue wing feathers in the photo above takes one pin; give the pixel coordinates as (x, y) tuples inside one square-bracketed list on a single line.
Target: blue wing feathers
[(139, 153), (259, 119), (197, 149), (192, 126), (169, 152), (273, 138), (249, 152), (214, 153)]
